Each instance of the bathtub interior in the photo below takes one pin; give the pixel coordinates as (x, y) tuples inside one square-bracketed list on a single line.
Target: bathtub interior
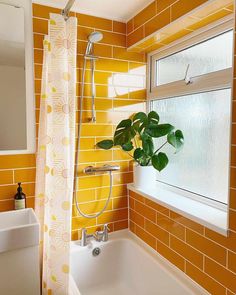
[(126, 266)]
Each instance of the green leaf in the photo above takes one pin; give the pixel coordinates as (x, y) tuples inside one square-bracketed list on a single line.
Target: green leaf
[(140, 121), (124, 132), (153, 117), (138, 153), (160, 161), (159, 130), (148, 146), (105, 144), (127, 146), (176, 139)]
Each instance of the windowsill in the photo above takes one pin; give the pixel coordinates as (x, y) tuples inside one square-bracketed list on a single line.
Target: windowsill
[(213, 218)]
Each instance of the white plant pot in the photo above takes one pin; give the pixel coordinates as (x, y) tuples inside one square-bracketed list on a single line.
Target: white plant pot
[(144, 177)]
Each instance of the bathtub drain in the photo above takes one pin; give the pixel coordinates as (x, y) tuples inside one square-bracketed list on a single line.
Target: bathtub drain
[(96, 251)]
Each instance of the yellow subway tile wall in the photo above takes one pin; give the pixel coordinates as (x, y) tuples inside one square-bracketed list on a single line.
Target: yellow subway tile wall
[(120, 90), (206, 256), (14, 169), (165, 21)]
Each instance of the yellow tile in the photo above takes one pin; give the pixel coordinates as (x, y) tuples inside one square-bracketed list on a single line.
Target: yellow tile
[(24, 175), (38, 56), (85, 195), (95, 156), (145, 211), (146, 14), (38, 71), (158, 22), (182, 7), (83, 33), (40, 26), (87, 143), (99, 49), (95, 207), (17, 161), (80, 222), (94, 22), (100, 104), (42, 11), (112, 216), (211, 7), (157, 231), (9, 191), (6, 177), (175, 37), (187, 222), (147, 238), (174, 228), (119, 203), (38, 41), (163, 4), (93, 181), (232, 261), (120, 225), (172, 256), (138, 94), (111, 65), (121, 155), (119, 27), (206, 246), (204, 280), (123, 178), (122, 53), (221, 274), (135, 36), (123, 105), (187, 252), (6, 205), (232, 220), (96, 130), (209, 19), (114, 39), (130, 26)]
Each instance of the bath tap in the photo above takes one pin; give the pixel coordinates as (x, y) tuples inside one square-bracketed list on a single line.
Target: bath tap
[(101, 235)]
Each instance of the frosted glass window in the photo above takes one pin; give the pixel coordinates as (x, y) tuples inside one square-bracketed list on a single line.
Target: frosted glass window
[(202, 167), (209, 56)]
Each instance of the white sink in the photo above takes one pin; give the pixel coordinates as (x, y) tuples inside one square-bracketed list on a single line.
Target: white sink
[(18, 229)]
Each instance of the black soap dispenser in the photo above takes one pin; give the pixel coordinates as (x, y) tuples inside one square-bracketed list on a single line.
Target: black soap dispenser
[(20, 198)]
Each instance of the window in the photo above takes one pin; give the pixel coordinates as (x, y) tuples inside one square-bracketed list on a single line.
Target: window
[(190, 87)]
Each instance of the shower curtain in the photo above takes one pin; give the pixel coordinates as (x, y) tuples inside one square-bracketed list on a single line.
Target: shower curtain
[(55, 154)]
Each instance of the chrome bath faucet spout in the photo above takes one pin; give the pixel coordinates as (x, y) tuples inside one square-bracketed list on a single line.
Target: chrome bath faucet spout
[(101, 235)]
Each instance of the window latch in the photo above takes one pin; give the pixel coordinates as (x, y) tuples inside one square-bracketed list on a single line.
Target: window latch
[(188, 80)]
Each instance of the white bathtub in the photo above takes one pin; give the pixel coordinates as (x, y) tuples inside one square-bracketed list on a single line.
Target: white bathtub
[(126, 266)]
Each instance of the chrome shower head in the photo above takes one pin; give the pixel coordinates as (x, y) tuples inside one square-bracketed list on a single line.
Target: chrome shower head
[(94, 37)]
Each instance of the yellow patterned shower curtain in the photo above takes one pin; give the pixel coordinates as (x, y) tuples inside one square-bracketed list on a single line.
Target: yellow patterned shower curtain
[(55, 155)]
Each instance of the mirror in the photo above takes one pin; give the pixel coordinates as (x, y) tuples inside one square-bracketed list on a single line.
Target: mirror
[(16, 95)]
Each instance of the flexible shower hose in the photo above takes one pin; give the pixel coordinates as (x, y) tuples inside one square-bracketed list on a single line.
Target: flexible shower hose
[(90, 216)]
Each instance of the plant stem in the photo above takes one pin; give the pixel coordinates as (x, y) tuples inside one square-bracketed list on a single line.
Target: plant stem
[(160, 147)]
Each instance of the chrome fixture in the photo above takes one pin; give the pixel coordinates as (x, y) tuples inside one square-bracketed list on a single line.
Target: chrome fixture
[(96, 251), (105, 168), (93, 38), (65, 12), (100, 235)]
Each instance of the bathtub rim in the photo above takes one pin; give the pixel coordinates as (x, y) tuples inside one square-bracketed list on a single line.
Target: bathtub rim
[(125, 234)]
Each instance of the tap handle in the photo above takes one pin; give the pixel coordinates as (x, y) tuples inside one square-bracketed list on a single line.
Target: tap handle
[(106, 227)]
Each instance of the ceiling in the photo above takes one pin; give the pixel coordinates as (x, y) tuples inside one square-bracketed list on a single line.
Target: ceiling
[(120, 10)]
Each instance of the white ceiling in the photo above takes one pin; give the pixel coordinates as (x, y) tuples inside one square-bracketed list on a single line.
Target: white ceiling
[(121, 10)]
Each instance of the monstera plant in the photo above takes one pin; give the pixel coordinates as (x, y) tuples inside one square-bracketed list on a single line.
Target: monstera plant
[(135, 136)]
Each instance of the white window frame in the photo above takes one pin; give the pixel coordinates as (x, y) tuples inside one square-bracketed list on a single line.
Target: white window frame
[(208, 82)]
